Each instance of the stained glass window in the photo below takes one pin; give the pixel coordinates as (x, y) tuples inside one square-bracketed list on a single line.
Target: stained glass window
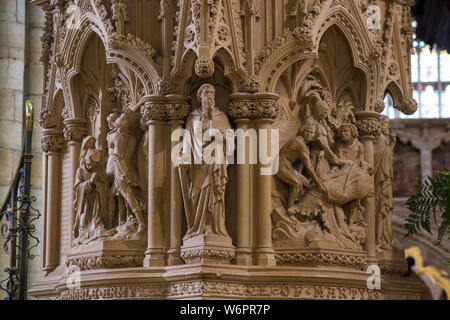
[(430, 76), (446, 103)]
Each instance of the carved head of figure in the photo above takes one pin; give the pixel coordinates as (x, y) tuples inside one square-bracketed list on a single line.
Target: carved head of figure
[(348, 132), (308, 131), (88, 143), (384, 125), (319, 107), (206, 96), (93, 157), (123, 122), (111, 119)]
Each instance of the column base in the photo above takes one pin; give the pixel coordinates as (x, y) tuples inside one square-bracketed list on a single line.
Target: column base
[(209, 248), (154, 258), (103, 254), (244, 257), (174, 257), (265, 257)]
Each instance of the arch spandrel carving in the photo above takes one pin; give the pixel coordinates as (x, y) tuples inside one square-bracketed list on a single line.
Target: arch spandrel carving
[(119, 86)]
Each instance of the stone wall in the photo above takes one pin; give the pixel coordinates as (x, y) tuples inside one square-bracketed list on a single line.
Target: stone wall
[(21, 27)]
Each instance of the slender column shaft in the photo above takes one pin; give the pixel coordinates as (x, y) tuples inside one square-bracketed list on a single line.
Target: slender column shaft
[(74, 132), (52, 143), (175, 208), (369, 125), (44, 223), (74, 150), (51, 259), (243, 250), (263, 201), (370, 210), (154, 255)]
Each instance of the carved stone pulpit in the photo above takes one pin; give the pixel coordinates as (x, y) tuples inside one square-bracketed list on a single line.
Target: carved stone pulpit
[(222, 149)]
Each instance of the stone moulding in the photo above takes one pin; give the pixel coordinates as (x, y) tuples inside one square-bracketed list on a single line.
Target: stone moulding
[(314, 258), (229, 282), (214, 288), (233, 290), (207, 256), (104, 262)]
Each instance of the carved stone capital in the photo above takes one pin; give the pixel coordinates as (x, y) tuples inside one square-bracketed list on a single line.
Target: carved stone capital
[(75, 129), (165, 108), (368, 123), (254, 106), (52, 141)]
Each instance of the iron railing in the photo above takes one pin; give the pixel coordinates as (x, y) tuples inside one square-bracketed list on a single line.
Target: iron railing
[(17, 217)]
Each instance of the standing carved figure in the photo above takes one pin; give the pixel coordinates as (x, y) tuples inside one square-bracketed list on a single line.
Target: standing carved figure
[(298, 149), (126, 181), (384, 148), (112, 192), (204, 184), (90, 198)]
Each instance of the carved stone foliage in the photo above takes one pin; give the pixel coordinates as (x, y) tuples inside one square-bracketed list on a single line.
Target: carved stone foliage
[(165, 111), (119, 41), (204, 67), (254, 106), (322, 258), (52, 143), (75, 133)]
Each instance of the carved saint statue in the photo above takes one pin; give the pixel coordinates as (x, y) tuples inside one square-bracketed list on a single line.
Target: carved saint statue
[(384, 148), (203, 184), (90, 196)]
